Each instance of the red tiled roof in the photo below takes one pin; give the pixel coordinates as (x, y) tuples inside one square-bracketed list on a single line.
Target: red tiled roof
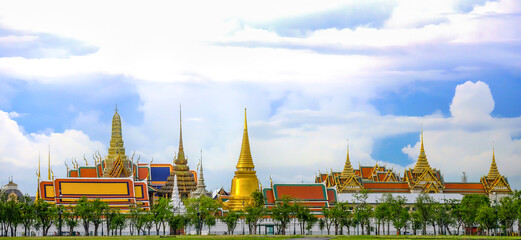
[(301, 191), (89, 172)]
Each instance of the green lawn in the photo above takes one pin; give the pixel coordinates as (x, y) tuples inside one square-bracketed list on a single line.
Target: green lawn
[(259, 237)]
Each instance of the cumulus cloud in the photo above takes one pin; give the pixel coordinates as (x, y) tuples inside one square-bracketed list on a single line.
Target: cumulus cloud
[(472, 101), (21, 151)]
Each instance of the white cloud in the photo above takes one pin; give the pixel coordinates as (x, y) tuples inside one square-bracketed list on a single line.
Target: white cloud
[(19, 151), (472, 101)]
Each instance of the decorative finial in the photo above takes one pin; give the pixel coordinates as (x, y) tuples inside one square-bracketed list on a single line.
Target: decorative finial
[(116, 108), (245, 122)]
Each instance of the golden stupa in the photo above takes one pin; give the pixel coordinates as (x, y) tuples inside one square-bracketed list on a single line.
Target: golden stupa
[(117, 164), (245, 181)]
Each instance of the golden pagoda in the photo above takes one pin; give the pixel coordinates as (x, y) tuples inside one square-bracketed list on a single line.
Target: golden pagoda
[(493, 173), (185, 179), (422, 162), (245, 181), (348, 169), (116, 163), (494, 182)]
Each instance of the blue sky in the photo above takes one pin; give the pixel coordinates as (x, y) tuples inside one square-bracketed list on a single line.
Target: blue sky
[(312, 75)]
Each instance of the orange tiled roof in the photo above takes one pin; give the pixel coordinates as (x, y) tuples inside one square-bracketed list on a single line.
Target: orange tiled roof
[(366, 172), (89, 172), (302, 192), (268, 193)]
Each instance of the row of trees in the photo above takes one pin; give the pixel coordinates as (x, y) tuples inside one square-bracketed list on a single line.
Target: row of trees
[(473, 213)]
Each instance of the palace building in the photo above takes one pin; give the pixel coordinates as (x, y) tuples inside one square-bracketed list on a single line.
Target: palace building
[(120, 181), (420, 179)]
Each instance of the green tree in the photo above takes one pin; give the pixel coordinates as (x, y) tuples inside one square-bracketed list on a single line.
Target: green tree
[(416, 221), (27, 214), (146, 220), (456, 214), (13, 215), (109, 214), (198, 209), (507, 213), (45, 215), (363, 211), (119, 221), (517, 204), (210, 221), (399, 214), (281, 215), (302, 214), (423, 206), (311, 221), (254, 211), (177, 222), (71, 220), (328, 219), (231, 219), (380, 214), (134, 214), (98, 208), (444, 215), (469, 206), (485, 217), (84, 209), (160, 210)]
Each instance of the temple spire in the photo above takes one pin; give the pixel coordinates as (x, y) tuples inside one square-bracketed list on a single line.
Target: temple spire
[(116, 138), (201, 187), (181, 153), (245, 159), (422, 162), (348, 169), (180, 130), (493, 173)]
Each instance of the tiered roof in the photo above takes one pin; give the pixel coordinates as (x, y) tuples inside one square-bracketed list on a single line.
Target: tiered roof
[(185, 179)]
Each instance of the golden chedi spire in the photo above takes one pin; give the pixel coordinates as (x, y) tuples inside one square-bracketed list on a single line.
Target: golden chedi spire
[(116, 149), (348, 169), (245, 161), (185, 179), (493, 173), (245, 181), (422, 162)]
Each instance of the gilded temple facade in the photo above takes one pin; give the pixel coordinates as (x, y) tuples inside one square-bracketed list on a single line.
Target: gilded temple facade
[(420, 179)]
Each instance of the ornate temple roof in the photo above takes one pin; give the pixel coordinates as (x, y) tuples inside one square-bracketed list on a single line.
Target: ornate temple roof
[(348, 169), (493, 173), (116, 163), (201, 187), (422, 162), (185, 179)]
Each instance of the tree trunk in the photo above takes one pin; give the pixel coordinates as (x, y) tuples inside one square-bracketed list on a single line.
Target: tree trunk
[(434, 228), (164, 228), (388, 227), (96, 230), (448, 229)]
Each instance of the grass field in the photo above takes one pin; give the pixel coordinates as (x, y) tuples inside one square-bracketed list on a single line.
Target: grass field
[(259, 237)]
